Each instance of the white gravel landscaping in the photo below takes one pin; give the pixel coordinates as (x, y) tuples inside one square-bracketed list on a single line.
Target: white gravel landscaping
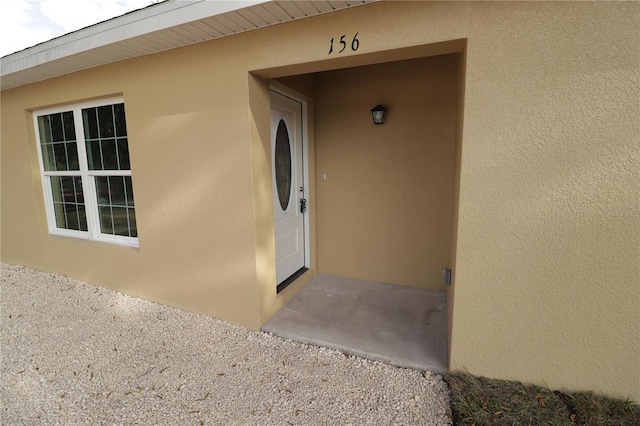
[(73, 353)]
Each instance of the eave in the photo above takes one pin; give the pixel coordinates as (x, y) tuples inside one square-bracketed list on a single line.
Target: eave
[(153, 29)]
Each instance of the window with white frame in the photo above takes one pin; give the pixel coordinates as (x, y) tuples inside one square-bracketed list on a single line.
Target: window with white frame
[(86, 174)]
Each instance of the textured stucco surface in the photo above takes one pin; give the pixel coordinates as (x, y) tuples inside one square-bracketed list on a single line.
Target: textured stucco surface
[(385, 192), (195, 224), (548, 250), (548, 216)]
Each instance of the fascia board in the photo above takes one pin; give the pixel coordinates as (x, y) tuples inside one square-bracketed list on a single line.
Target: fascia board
[(137, 23)]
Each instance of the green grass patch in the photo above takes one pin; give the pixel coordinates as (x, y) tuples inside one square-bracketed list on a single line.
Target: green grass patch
[(481, 401)]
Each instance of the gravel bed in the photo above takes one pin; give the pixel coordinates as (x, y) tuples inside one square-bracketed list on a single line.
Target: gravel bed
[(73, 353)]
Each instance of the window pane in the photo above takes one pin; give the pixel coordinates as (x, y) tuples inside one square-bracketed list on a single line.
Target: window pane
[(72, 156), (69, 126), (57, 133), (90, 122), (120, 221), (56, 189), (129, 190), (105, 122), (102, 190), (61, 217), (60, 153), (123, 154), (44, 127), (121, 124), (282, 164), (105, 151), (48, 157), (73, 218), (82, 217), (115, 203), (109, 154), (57, 142), (60, 156), (117, 188), (94, 156), (68, 202), (132, 222), (106, 222)]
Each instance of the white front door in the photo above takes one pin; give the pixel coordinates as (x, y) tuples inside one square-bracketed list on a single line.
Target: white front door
[(289, 190)]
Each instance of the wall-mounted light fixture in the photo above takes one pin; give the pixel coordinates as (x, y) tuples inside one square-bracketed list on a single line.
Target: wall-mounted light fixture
[(377, 113)]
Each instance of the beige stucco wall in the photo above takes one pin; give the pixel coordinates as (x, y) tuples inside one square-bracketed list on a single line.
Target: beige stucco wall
[(195, 224), (385, 192), (547, 250)]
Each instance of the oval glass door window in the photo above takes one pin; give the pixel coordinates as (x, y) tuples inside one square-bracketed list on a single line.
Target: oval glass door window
[(282, 164)]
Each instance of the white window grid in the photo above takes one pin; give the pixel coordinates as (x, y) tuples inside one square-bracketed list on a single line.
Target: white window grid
[(88, 177)]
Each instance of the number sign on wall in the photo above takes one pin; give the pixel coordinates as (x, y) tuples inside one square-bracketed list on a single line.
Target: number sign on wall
[(342, 44)]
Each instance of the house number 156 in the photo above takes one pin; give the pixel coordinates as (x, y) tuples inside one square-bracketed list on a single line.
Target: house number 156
[(355, 43)]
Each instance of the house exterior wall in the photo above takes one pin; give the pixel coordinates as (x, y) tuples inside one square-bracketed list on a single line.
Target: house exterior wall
[(385, 192), (546, 241), (195, 224), (547, 266)]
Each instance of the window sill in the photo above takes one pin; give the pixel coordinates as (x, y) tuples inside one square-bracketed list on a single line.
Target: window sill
[(104, 238)]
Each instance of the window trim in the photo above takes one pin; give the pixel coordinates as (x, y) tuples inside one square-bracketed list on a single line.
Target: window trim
[(87, 176)]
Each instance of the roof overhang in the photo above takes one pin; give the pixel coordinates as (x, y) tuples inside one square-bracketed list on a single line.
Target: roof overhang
[(153, 29)]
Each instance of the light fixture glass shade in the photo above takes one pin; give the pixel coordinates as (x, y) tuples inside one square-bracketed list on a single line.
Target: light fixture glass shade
[(377, 114)]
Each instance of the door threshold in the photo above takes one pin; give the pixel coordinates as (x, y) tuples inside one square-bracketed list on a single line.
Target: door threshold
[(284, 284)]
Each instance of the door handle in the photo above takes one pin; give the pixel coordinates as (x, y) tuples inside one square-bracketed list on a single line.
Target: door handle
[(303, 205)]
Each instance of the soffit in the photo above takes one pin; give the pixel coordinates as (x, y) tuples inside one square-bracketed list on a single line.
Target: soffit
[(153, 29)]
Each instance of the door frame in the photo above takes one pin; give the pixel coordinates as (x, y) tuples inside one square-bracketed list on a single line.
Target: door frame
[(285, 91)]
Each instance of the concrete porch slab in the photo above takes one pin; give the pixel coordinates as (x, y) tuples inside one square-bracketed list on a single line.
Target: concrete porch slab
[(402, 326)]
